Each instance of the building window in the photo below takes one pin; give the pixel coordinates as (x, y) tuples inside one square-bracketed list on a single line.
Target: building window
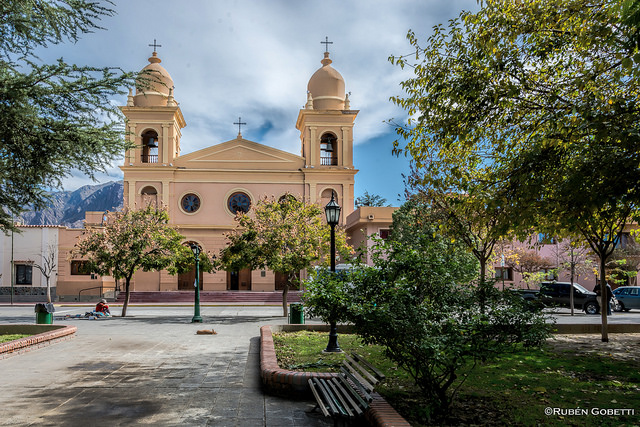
[(384, 234), (328, 150), (23, 274), (504, 273), (239, 202), (79, 268), (190, 203)]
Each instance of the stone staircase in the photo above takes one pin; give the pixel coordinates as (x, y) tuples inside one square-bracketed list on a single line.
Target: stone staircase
[(222, 297)]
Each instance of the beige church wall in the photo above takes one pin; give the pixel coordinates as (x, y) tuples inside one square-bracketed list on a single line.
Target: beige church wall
[(262, 284), (146, 281)]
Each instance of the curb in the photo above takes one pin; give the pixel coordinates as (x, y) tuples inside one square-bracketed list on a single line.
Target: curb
[(44, 336), (379, 414)]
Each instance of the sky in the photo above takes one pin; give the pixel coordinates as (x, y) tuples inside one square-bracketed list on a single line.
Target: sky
[(253, 59)]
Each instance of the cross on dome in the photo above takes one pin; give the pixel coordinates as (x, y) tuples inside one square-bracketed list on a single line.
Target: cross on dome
[(155, 45), (326, 44)]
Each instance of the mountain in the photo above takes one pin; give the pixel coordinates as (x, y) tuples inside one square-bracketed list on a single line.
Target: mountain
[(68, 207)]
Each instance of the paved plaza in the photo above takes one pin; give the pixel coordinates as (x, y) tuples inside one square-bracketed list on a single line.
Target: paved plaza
[(150, 368)]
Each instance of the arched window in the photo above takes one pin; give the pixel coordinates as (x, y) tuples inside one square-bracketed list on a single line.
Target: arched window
[(328, 149), (150, 147), (149, 196)]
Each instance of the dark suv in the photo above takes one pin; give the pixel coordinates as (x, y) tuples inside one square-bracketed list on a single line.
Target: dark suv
[(557, 294)]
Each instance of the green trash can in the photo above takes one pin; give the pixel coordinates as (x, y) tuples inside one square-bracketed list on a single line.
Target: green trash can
[(296, 313), (44, 313)]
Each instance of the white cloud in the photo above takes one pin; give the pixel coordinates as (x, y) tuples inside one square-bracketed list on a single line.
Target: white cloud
[(253, 59)]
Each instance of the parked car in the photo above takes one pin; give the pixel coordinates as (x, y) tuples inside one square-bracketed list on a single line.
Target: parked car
[(556, 294), (628, 297)]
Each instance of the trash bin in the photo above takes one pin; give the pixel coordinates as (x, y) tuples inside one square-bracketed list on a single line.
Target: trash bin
[(296, 313), (44, 313)]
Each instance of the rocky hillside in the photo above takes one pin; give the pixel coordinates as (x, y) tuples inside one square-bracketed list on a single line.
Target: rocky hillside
[(68, 207)]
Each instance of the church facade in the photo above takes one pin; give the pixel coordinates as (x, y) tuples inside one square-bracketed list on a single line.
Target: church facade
[(203, 190)]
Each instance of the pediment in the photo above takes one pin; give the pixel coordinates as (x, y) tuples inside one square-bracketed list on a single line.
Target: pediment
[(240, 154)]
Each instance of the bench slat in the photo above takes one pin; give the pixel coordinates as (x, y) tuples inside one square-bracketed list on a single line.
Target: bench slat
[(365, 393), (361, 370), (330, 398), (369, 366), (348, 368), (336, 388), (353, 394), (318, 398)]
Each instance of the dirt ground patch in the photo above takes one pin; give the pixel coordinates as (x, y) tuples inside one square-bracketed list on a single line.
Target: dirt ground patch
[(620, 346)]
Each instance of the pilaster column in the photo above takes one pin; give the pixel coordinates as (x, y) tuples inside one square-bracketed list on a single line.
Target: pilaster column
[(165, 143), (346, 144), (165, 193), (313, 146), (132, 194)]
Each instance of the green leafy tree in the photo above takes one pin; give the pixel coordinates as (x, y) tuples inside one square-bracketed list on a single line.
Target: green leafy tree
[(285, 235), (132, 240), (418, 302), (53, 117), (370, 200), (543, 96)]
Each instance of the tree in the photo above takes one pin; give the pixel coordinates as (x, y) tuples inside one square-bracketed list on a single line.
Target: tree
[(47, 265), (53, 117), (418, 302), (526, 262), (573, 256), (370, 200), (285, 235), (132, 240), (543, 95)]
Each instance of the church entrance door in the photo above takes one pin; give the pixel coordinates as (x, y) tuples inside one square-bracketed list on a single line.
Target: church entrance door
[(239, 280), (187, 280)]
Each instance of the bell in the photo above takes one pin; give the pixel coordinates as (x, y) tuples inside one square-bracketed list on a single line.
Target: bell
[(152, 143)]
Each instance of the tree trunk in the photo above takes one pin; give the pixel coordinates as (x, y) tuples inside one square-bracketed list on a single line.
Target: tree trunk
[(604, 300), (126, 297), (48, 290), (482, 293), (573, 269), (285, 306)]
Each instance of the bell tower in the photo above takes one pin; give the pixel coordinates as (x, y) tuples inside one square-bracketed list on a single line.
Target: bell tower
[(153, 124), (326, 135)]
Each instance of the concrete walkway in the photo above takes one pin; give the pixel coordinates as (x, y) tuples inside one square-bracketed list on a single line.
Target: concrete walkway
[(150, 368)]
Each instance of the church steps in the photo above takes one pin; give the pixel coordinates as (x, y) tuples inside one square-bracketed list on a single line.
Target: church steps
[(237, 297)]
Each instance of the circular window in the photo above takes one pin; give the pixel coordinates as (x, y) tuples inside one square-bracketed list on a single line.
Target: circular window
[(190, 203), (239, 202)]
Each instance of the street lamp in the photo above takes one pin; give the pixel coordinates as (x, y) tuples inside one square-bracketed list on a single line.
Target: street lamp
[(332, 211), (196, 307)]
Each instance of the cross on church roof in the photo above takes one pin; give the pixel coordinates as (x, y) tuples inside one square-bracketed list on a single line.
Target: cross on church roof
[(326, 44), (155, 45), (239, 123)]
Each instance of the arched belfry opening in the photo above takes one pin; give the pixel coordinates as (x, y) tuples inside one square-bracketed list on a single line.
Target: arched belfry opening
[(149, 147), (328, 149)]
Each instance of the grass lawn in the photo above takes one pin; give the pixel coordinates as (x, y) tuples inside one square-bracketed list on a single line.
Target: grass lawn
[(11, 337), (515, 390)]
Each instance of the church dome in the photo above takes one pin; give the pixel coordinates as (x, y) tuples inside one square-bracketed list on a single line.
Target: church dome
[(156, 89), (326, 87)]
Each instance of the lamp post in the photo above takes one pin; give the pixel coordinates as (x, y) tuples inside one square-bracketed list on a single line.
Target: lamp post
[(196, 307), (332, 211)]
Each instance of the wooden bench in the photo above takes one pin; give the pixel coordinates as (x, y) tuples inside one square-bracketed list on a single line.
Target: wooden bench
[(346, 396)]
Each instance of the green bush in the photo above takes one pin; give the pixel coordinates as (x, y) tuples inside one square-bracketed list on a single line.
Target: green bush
[(418, 302)]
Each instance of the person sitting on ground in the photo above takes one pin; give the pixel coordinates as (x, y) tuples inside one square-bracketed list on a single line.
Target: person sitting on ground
[(103, 307)]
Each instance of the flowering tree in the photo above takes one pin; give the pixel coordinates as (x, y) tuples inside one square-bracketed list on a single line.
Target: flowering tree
[(285, 235), (528, 263), (129, 241)]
